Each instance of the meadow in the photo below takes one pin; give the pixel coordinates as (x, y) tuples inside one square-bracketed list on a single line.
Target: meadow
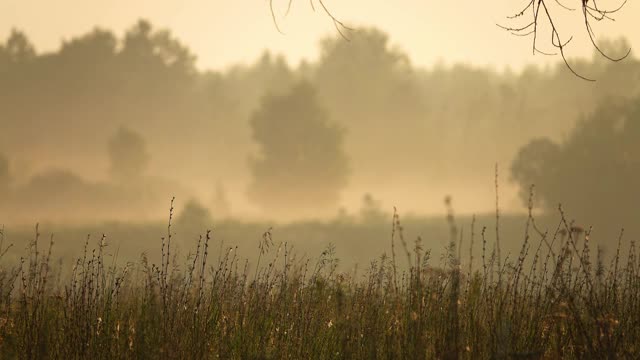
[(558, 296), (270, 257)]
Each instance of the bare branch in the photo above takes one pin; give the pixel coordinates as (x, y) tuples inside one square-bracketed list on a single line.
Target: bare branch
[(288, 7), (557, 42), (590, 12), (341, 28), (564, 6), (273, 17), (517, 15)]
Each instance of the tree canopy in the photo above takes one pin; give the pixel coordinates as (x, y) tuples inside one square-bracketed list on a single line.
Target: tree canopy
[(408, 128), (301, 163), (594, 172)]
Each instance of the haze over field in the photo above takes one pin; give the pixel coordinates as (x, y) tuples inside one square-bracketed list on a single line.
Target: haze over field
[(106, 116), (324, 179)]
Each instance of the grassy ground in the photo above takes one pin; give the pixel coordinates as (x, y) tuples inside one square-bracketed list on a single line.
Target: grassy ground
[(555, 298)]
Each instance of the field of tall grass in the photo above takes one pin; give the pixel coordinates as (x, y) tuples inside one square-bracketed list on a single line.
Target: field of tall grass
[(557, 298)]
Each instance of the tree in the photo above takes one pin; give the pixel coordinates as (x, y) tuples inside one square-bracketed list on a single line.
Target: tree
[(369, 86), (367, 74), (18, 49), (371, 210), (194, 216), (595, 172), (145, 47), (301, 163), (128, 154), (533, 165)]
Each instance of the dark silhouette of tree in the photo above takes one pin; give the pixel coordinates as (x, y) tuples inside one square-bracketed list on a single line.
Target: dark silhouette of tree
[(146, 79), (594, 172), (195, 216), (144, 47), (128, 155), (86, 64), (18, 49), (17, 57), (533, 165), (268, 74), (371, 210), (301, 163), (407, 126)]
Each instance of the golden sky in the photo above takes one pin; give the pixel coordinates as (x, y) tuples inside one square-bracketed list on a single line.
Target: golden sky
[(224, 32)]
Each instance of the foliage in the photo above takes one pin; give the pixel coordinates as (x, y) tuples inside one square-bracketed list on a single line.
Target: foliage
[(147, 79), (194, 215), (302, 163), (594, 172), (18, 49), (407, 127)]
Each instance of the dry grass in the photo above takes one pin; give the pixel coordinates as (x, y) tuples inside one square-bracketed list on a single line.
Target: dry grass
[(555, 300)]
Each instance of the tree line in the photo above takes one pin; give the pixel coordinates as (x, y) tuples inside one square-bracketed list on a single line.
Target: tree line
[(365, 114)]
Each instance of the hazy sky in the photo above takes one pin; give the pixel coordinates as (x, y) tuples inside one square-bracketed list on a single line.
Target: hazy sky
[(224, 32)]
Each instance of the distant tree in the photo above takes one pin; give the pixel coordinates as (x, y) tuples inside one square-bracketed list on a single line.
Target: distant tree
[(595, 172), (194, 217), (128, 154), (145, 47), (366, 73), (89, 60), (369, 86), (18, 49), (246, 84), (367, 79), (534, 164), (301, 163), (371, 210)]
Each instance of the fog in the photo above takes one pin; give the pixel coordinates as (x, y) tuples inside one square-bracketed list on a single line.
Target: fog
[(108, 127)]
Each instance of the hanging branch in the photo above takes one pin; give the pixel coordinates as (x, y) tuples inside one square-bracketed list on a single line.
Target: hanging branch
[(341, 28), (538, 10), (590, 12)]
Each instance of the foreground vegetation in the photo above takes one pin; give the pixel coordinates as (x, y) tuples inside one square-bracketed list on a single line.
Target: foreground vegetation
[(555, 299)]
